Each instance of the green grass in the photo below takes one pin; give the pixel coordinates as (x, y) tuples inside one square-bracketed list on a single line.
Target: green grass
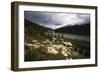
[(36, 32)]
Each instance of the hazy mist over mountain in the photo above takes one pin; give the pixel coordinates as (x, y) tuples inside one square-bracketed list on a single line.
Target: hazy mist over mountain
[(54, 20)]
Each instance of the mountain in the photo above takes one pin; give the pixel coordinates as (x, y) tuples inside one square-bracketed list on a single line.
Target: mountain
[(34, 31), (83, 29)]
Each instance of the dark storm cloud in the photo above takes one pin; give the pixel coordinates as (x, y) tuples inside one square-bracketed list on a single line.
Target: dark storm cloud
[(55, 20)]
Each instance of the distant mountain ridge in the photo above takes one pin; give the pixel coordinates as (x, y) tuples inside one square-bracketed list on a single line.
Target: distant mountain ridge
[(35, 28), (83, 29)]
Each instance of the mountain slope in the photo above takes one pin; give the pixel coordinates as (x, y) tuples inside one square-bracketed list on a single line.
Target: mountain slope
[(34, 31), (75, 29)]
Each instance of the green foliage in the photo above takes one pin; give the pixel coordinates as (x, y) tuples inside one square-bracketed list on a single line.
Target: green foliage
[(38, 50)]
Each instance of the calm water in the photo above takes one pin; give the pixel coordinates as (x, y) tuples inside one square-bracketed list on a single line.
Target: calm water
[(75, 36)]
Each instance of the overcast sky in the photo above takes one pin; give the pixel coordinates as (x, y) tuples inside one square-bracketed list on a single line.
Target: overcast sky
[(56, 20)]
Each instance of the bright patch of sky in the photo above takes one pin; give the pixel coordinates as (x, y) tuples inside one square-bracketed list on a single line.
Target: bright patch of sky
[(54, 20)]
